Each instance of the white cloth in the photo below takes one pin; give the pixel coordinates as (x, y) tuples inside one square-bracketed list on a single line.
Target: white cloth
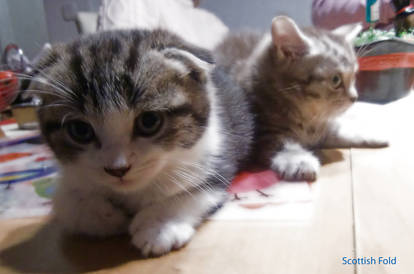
[(195, 25)]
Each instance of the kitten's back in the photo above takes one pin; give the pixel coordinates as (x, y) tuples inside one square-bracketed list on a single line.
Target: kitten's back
[(237, 47)]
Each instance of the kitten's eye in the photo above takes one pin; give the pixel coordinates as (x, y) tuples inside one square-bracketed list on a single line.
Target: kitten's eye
[(80, 131), (336, 81), (149, 123)]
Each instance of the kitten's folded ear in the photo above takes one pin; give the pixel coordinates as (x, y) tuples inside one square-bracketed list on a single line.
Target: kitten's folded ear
[(350, 31), (193, 66), (288, 39)]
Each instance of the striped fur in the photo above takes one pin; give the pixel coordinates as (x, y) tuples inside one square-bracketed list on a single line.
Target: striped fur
[(172, 179), (288, 75)]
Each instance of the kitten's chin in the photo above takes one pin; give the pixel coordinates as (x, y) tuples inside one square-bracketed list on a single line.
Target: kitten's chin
[(127, 185)]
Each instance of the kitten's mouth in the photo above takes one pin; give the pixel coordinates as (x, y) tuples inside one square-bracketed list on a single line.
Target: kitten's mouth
[(124, 182)]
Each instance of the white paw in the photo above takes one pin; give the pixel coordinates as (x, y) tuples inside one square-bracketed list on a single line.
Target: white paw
[(155, 237), (296, 166)]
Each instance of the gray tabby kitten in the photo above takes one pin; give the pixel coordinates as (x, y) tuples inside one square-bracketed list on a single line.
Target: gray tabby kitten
[(299, 81), (147, 133)]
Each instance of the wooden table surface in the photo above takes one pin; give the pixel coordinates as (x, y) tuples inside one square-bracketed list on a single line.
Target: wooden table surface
[(363, 206)]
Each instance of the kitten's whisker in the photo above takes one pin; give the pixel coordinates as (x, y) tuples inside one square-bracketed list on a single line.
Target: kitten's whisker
[(173, 180), (62, 94), (51, 82), (365, 49), (10, 79), (64, 88), (209, 171), (361, 51), (159, 185), (52, 106), (294, 87), (136, 171), (38, 91), (191, 179), (368, 51), (62, 123)]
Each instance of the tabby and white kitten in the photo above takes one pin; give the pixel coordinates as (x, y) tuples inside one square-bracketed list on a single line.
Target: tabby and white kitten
[(299, 81), (147, 133)]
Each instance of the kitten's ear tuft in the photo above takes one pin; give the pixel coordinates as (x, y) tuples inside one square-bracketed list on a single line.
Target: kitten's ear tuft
[(350, 31), (288, 39)]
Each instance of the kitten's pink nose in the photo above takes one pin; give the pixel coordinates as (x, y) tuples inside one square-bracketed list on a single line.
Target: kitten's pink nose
[(118, 171)]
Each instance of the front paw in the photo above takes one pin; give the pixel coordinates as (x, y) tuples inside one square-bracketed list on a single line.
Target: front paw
[(155, 237), (296, 166)]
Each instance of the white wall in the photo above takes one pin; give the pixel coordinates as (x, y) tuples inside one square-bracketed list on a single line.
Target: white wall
[(6, 31), (23, 22), (258, 14), (30, 23), (235, 13), (59, 29)]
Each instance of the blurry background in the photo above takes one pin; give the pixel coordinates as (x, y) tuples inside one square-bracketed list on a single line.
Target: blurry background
[(32, 23), (258, 13), (24, 23)]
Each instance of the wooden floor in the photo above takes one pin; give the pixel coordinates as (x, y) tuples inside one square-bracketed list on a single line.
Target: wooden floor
[(363, 207)]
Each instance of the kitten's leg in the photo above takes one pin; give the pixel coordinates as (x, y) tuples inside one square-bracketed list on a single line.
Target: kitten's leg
[(170, 224), (88, 213), (295, 163), (347, 135)]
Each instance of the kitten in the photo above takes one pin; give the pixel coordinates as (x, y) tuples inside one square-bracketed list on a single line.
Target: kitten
[(147, 133), (299, 81)]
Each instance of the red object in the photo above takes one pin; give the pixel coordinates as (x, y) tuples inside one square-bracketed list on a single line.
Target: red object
[(42, 159), (250, 181), (8, 122), (386, 61), (403, 9), (13, 156), (8, 87)]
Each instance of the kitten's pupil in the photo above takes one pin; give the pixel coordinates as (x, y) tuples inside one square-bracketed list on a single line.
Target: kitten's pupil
[(149, 120), (336, 81), (80, 131), (149, 123)]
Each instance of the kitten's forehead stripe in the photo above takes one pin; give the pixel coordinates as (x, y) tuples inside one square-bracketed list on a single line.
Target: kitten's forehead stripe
[(132, 60), (93, 49), (115, 71), (132, 92), (133, 55), (116, 46), (81, 83)]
